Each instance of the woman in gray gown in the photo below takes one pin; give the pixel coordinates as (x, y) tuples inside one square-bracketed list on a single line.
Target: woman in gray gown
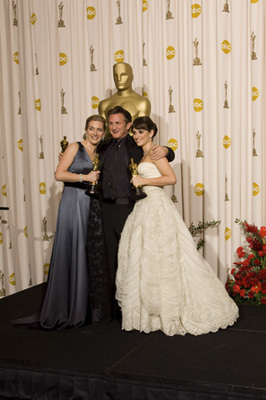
[(66, 300)]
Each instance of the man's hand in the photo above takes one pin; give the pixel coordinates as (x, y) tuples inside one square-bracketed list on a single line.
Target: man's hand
[(158, 152)]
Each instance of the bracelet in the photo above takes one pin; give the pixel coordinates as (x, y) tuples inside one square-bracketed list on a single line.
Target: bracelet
[(80, 178)]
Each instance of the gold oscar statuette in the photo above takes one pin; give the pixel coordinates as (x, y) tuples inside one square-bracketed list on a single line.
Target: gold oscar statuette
[(199, 153), (14, 6), (45, 236), (254, 149), (225, 95), (169, 14), (226, 197), (24, 196), (61, 23), (93, 187), (63, 108), (136, 191), (9, 237), (41, 155), (19, 108), (36, 61), (144, 62), (196, 60), (118, 19), (226, 7), (171, 107), (173, 197), (63, 144), (2, 283), (126, 97), (253, 53), (92, 66)]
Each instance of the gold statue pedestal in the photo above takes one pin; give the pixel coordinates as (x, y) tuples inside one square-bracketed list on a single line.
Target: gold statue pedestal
[(136, 192), (199, 153), (93, 189), (226, 104), (197, 61)]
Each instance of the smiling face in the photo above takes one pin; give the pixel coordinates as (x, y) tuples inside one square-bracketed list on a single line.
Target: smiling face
[(95, 132), (118, 126), (142, 137)]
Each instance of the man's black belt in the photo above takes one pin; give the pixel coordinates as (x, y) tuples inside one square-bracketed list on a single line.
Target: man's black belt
[(118, 200)]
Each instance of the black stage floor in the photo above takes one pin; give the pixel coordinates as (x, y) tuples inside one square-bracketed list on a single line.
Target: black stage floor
[(100, 361)]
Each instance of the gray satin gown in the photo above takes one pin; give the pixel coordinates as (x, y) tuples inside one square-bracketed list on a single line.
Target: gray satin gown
[(66, 300)]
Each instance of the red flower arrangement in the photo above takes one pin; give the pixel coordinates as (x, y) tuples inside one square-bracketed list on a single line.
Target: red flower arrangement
[(246, 282)]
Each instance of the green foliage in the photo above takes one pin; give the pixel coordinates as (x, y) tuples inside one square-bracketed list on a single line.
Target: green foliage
[(197, 230)]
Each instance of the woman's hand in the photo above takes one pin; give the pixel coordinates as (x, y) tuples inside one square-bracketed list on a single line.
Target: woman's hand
[(93, 176), (138, 181)]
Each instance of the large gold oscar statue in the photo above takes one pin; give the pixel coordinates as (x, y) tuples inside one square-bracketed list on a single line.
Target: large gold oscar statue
[(125, 96)]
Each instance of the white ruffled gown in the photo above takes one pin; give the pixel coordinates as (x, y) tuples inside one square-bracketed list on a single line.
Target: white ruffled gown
[(162, 282)]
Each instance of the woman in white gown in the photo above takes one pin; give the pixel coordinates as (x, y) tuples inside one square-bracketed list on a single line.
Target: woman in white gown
[(162, 282)]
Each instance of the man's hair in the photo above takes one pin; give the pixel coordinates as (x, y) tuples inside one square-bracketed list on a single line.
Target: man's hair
[(120, 110)]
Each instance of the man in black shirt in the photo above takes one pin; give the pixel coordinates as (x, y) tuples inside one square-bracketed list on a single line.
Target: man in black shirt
[(115, 155)]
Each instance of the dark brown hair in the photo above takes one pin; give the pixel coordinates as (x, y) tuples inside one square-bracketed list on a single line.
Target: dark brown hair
[(144, 123), (120, 110)]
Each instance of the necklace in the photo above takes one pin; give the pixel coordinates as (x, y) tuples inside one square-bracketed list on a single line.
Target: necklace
[(146, 153)]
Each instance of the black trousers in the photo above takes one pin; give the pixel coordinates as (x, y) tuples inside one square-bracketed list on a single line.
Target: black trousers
[(114, 218)]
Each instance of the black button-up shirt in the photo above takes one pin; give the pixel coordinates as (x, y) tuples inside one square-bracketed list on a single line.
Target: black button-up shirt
[(115, 173)]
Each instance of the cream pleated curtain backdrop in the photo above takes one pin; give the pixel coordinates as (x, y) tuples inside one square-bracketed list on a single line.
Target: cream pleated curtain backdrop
[(200, 63)]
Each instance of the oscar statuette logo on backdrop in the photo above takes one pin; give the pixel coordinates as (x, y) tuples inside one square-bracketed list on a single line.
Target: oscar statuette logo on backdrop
[(256, 189), (20, 144), (12, 279), (16, 57), (198, 105), (91, 12), (170, 52), (144, 5), (119, 56), (226, 46), (226, 142), (173, 144), (199, 189), (62, 58), (255, 93), (95, 102), (42, 188), (46, 268), (227, 233), (3, 190), (195, 10), (60, 23), (33, 19)]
